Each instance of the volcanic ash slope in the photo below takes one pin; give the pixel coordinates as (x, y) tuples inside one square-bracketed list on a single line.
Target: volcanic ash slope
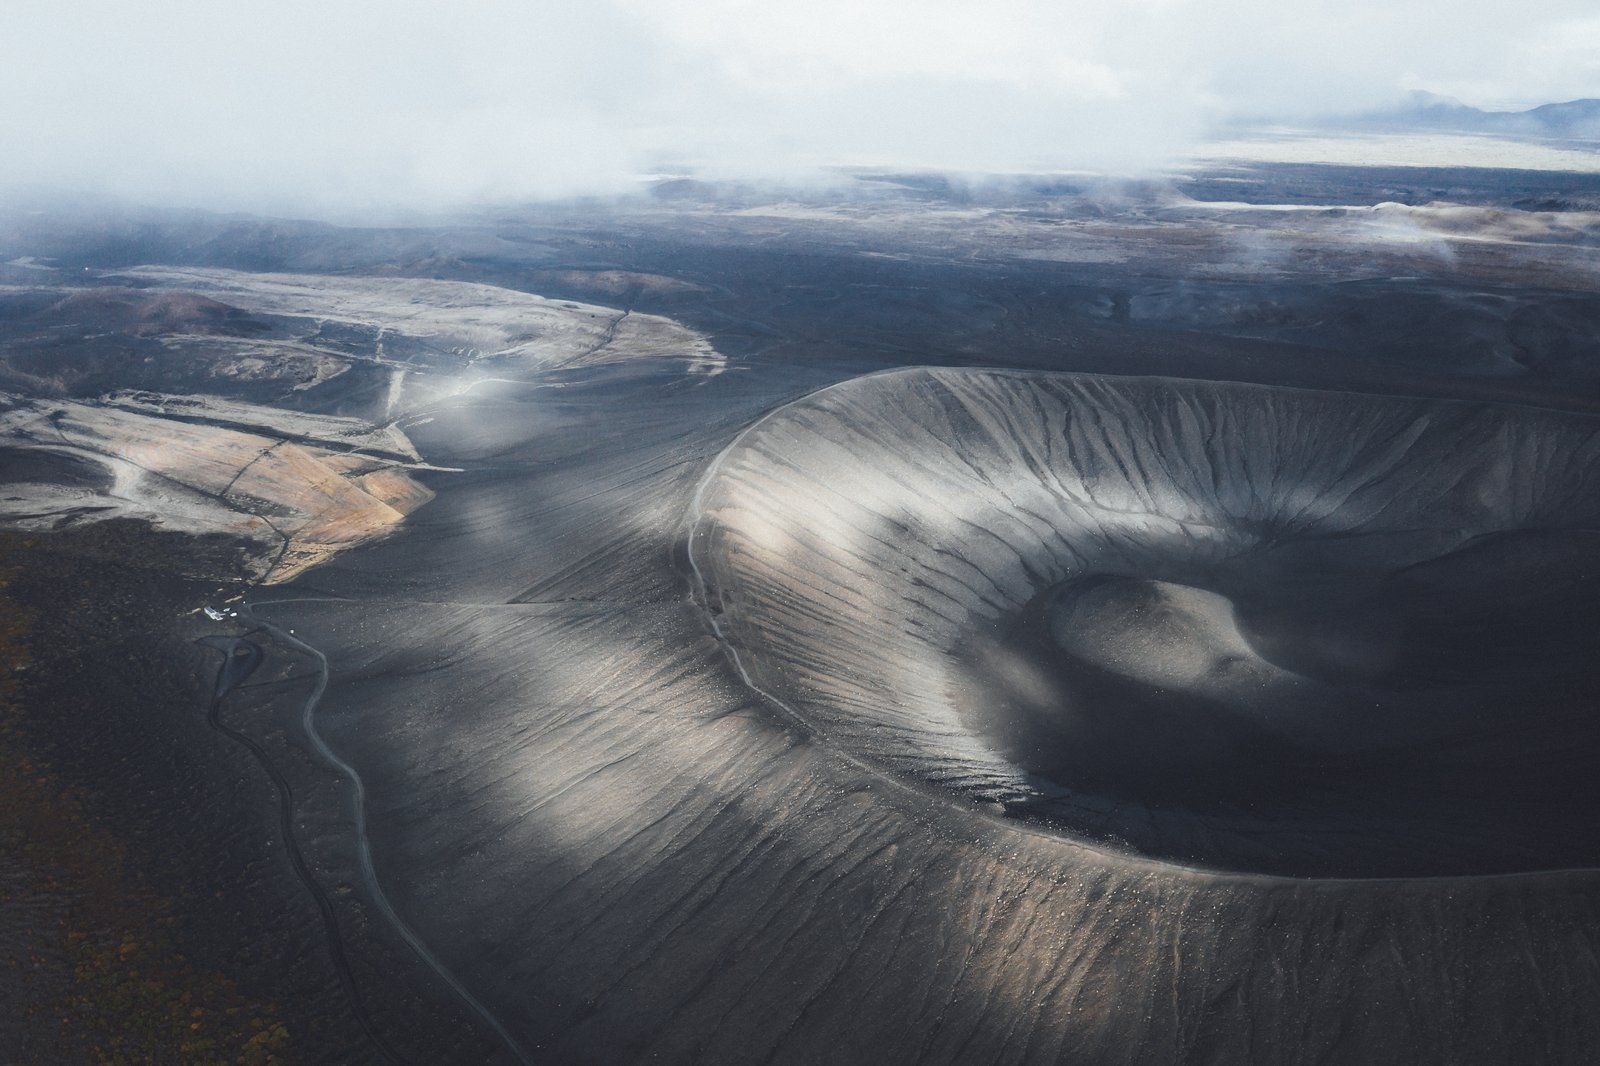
[(581, 809)]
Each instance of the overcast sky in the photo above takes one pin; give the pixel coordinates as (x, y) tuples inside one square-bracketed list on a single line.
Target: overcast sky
[(284, 105)]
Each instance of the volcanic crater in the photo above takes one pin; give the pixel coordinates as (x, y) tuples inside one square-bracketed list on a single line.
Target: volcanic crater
[(1239, 627)]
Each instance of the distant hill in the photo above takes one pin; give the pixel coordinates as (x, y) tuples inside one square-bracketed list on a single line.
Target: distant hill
[(1569, 120)]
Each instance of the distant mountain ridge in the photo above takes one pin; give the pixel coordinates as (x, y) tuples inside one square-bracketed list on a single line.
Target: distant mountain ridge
[(1567, 120)]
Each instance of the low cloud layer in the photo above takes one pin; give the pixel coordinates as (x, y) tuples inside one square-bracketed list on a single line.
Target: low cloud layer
[(326, 107)]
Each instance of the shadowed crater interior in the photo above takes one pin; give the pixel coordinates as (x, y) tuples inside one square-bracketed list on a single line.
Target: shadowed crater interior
[(1269, 630)]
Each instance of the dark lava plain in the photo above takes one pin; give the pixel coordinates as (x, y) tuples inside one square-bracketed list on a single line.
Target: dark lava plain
[(581, 834)]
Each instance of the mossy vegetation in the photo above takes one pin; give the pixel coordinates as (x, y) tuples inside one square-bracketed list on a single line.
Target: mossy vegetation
[(90, 950)]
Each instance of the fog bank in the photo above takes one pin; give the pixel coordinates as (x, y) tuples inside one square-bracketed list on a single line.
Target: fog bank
[(319, 108)]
